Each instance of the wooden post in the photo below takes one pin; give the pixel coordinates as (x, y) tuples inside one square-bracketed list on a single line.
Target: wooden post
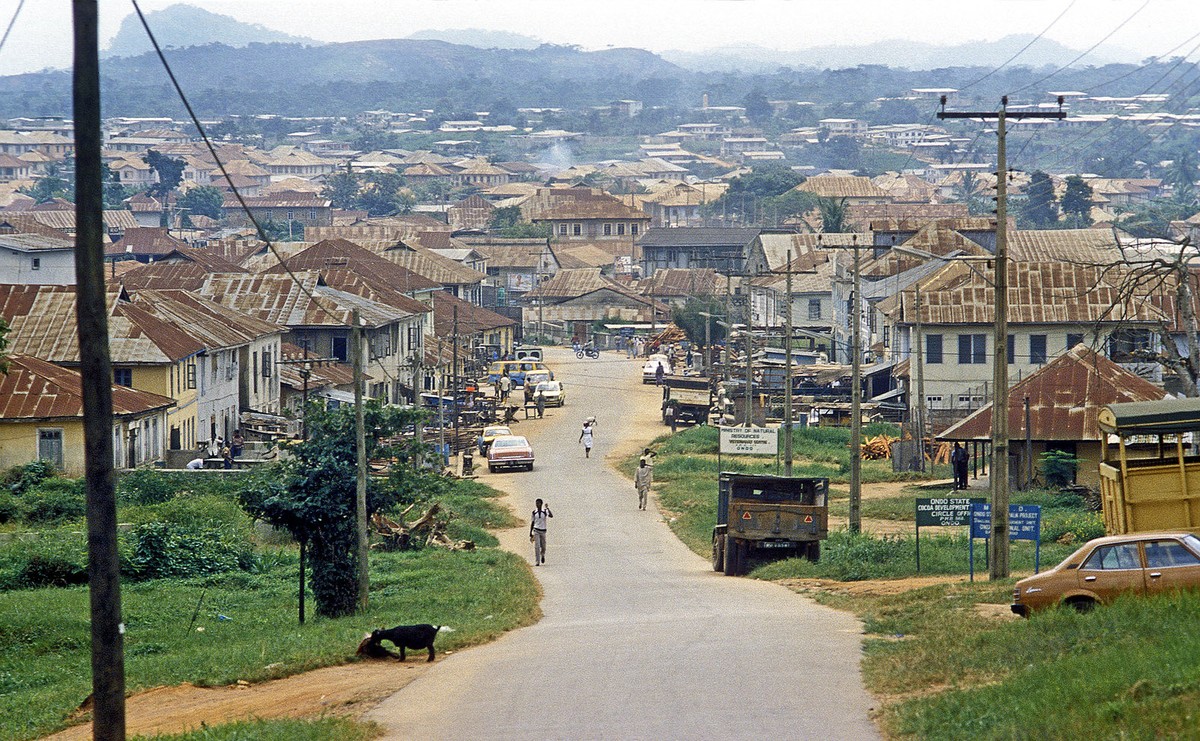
[(360, 444)]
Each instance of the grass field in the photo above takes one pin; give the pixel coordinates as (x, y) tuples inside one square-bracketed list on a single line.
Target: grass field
[(242, 624)]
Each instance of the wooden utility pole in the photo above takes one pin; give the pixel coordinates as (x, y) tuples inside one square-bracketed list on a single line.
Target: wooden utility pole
[(748, 416), (787, 369), (855, 522), (104, 586), (360, 445), (919, 405), (998, 545)]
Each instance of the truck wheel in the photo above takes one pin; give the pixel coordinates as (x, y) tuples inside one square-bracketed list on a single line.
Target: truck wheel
[(733, 556), (812, 551), (718, 553)]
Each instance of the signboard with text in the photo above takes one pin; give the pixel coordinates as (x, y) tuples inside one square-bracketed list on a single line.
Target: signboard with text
[(1024, 523), (749, 440), (949, 512)]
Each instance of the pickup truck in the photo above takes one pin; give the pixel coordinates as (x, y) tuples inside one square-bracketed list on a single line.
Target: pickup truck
[(768, 516)]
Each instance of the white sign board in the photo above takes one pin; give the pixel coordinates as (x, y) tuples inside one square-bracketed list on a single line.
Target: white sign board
[(749, 440)]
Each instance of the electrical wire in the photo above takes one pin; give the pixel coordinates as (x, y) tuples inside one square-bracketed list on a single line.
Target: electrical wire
[(1020, 51), (11, 22)]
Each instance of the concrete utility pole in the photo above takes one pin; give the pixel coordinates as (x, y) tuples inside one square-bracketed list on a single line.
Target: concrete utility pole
[(855, 518), (787, 370), (919, 406), (748, 417), (360, 445), (104, 585), (998, 546)]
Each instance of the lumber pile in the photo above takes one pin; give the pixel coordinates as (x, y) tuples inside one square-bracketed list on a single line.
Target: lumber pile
[(427, 530), (878, 448)]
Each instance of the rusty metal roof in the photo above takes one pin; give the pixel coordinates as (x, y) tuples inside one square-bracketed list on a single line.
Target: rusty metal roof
[(371, 286), (215, 325), (325, 371), (64, 220), (471, 318), (1092, 246), (303, 302), (1065, 398), (839, 186), (520, 254), (35, 389), (681, 283), (570, 283), (1039, 293), (342, 254), (145, 240), (34, 242), (433, 266)]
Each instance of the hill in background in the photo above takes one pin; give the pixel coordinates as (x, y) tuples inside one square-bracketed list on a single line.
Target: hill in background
[(181, 26)]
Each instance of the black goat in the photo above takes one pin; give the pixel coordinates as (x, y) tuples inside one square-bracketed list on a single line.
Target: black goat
[(408, 636)]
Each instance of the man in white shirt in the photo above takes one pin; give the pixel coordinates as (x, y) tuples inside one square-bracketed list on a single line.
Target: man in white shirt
[(537, 531), (642, 480)]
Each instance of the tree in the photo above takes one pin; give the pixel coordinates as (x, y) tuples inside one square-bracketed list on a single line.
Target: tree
[(969, 190), (1153, 220), (283, 231), (758, 108), (380, 194), (690, 319), (48, 188), (312, 495), (114, 193), (1181, 176), (170, 173), (510, 222), (204, 200), (341, 189), (834, 213), (1040, 209), (1077, 202)]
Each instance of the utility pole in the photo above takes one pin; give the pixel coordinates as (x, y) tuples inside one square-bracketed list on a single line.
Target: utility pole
[(998, 547), (360, 444), (787, 370), (104, 585), (748, 416), (728, 330), (919, 406), (454, 371), (856, 399)]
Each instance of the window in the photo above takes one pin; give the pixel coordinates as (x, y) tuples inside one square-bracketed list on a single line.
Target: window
[(1011, 344), (50, 447), (191, 375), (933, 348), (577, 229), (562, 230), (312, 214), (291, 215), (123, 377), (972, 349), (633, 229), (970, 401), (620, 229), (814, 308), (1037, 349), (1126, 343), (254, 371), (267, 364), (341, 348), (1114, 557), (37, 264), (1164, 554), (608, 230), (1074, 339), (933, 402)]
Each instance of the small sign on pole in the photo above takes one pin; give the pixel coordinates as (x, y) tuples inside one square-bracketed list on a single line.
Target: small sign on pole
[(749, 440)]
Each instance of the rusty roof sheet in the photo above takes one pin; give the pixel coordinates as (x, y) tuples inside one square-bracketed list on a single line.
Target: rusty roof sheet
[(573, 256), (303, 302), (1065, 398), (342, 254), (842, 186), (283, 199), (35, 389), (520, 255), (433, 266), (34, 243), (187, 276), (933, 238), (1092, 246), (371, 286), (64, 219), (215, 325), (22, 222), (570, 283), (681, 283), (1038, 293), (145, 240), (325, 371), (471, 318)]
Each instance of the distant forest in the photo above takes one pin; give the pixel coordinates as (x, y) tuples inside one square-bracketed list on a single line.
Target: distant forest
[(409, 74)]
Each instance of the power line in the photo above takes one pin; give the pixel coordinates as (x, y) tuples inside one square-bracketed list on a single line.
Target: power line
[(1020, 51), (11, 22)]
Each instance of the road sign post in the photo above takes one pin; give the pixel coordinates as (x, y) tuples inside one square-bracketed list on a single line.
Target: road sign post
[(948, 512), (1025, 523)]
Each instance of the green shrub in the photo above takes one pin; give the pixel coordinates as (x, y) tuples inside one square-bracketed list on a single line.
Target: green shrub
[(55, 558), (10, 507), (160, 550), (144, 486), (1058, 467), (55, 500), (1073, 527), (20, 479)]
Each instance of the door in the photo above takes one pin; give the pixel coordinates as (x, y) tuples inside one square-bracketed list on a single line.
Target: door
[(1170, 566), (1113, 570), (50, 447)]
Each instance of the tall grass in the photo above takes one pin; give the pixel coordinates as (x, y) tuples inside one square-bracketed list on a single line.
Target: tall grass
[(283, 729)]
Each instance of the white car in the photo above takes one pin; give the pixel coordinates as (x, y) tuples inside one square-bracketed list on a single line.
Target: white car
[(651, 366), (553, 392)]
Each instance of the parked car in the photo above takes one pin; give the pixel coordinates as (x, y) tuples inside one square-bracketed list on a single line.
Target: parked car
[(516, 370), (537, 376), (1105, 568), (490, 433), (553, 392), (651, 366), (510, 451)]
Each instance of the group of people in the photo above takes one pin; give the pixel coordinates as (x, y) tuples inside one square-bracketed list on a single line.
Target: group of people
[(216, 447)]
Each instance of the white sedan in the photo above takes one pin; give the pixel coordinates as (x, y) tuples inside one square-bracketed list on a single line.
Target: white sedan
[(651, 366)]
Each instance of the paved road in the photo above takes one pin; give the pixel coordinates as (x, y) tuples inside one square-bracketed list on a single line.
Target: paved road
[(640, 639)]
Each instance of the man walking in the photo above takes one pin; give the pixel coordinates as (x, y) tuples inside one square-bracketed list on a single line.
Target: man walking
[(642, 480), (541, 403), (537, 531), (505, 387), (585, 437)]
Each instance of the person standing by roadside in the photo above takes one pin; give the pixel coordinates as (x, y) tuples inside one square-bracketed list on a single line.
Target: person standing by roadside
[(585, 437), (505, 387), (541, 403), (642, 480), (238, 444), (958, 461), (647, 458), (669, 416), (537, 531)]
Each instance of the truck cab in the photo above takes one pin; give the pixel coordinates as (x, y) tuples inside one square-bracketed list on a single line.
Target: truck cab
[(761, 515)]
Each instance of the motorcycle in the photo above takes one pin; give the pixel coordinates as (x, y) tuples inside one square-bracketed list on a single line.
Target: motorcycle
[(591, 352)]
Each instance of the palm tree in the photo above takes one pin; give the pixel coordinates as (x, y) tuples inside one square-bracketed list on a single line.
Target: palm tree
[(834, 214)]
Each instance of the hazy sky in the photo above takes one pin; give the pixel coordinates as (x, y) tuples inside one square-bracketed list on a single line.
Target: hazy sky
[(41, 36)]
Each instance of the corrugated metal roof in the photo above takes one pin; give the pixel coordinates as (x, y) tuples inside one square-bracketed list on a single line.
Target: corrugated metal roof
[(471, 318), (34, 242), (215, 325), (682, 282), (1065, 398), (64, 220), (34, 389), (1092, 246), (433, 266), (145, 240), (699, 236), (325, 371), (835, 186), (342, 254), (527, 256), (303, 302)]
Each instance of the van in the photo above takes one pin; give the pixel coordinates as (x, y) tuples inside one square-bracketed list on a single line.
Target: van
[(528, 352), (515, 369)]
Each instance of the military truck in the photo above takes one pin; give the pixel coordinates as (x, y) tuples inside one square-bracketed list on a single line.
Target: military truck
[(761, 516), (690, 395)]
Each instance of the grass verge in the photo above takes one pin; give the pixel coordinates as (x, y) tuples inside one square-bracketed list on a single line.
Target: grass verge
[(320, 729)]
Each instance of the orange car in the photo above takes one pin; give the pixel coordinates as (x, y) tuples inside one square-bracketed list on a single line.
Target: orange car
[(1105, 568)]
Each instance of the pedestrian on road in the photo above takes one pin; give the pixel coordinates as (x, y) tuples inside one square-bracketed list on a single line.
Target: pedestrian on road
[(537, 531), (642, 480), (669, 416), (659, 372), (505, 387), (958, 460), (647, 458), (585, 437), (541, 404)]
